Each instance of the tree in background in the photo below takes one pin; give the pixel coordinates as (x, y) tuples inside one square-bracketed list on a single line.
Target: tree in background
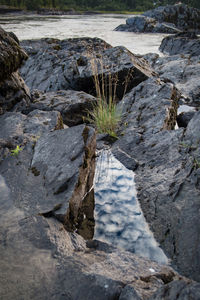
[(109, 5)]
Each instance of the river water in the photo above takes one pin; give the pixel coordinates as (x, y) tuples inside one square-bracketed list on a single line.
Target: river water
[(62, 27)]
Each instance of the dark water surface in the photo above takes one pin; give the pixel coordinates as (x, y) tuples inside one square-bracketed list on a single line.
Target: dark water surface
[(118, 216)]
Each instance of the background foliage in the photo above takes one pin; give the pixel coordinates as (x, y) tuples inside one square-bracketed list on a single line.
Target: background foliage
[(105, 5)]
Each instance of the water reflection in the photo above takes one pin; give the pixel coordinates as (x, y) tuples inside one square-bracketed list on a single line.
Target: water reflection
[(118, 216)]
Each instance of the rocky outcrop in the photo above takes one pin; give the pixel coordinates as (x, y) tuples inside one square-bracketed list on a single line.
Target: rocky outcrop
[(164, 19), (72, 64), (145, 24), (72, 105), (182, 16), (182, 43), (12, 87), (183, 71), (47, 187), (167, 176)]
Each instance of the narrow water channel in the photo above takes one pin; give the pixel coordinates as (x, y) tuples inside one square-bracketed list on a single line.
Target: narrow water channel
[(118, 216)]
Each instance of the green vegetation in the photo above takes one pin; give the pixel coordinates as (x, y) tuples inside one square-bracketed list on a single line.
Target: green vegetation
[(105, 116), (16, 151), (95, 5)]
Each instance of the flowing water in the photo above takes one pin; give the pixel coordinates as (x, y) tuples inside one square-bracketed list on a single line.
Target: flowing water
[(62, 27), (118, 217)]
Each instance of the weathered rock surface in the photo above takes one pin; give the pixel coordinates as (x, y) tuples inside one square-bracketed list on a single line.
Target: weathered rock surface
[(12, 55), (167, 176), (181, 15), (72, 105), (181, 43), (12, 86), (183, 71), (39, 258), (164, 19), (71, 64), (145, 24), (57, 167), (178, 290)]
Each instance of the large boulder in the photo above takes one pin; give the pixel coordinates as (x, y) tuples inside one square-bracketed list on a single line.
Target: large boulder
[(12, 87), (181, 43), (181, 15), (45, 168), (58, 165), (72, 105), (145, 24), (167, 176), (12, 55), (164, 19), (183, 71), (80, 64)]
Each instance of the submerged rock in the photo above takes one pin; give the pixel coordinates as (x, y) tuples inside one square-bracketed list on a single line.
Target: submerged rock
[(167, 176), (164, 19), (78, 63), (181, 43)]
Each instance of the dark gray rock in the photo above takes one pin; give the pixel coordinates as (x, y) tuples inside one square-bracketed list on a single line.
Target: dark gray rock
[(39, 258), (167, 176), (12, 87), (181, 43), (129, 293), (181, 15), (72, 105), (12, 55), (184, 118), (164, 19), (13, 93), (183, 71), (145, 24), (178, 290), (57, 167), (71, 64)]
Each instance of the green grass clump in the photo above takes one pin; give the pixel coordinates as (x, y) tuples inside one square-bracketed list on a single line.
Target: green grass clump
[(105, 117)]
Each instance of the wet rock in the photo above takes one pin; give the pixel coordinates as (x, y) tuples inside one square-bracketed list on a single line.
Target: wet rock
[(167, 174), (72, 105), (181, 43), (71, 64)]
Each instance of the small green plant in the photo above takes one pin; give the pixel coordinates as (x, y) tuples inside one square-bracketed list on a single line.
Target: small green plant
[(16, 151), (105, 115)]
